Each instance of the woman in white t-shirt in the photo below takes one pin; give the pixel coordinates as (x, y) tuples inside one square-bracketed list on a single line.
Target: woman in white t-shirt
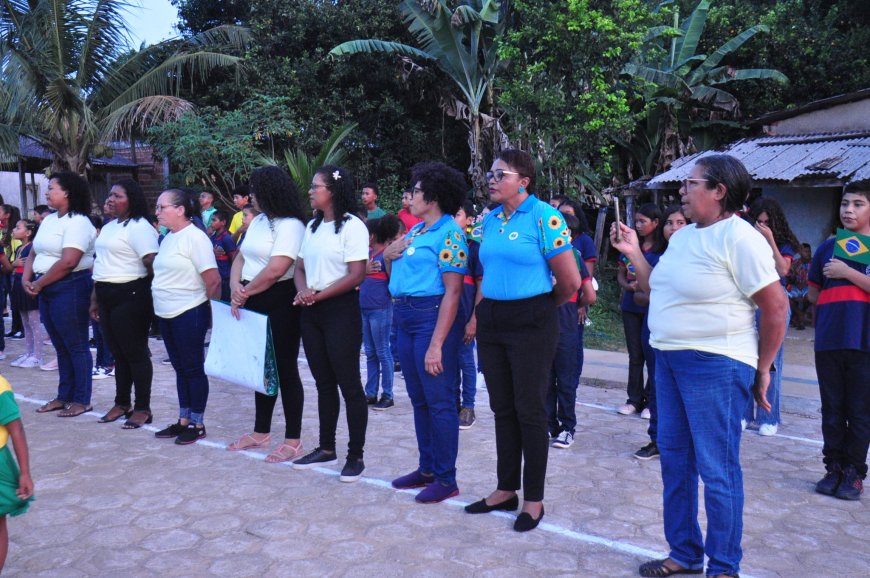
[(703, 294), (58, 272), (331, 265), (121, 300), (261, 280), (185, 278)]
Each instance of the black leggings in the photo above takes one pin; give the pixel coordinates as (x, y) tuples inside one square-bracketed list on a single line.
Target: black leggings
[(277, 303), (125, 317), (332, 336)]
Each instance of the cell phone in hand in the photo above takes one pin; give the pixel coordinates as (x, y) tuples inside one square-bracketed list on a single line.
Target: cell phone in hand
[(618, 220)]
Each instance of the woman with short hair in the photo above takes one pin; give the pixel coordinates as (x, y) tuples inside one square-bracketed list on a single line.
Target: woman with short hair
[(59, 272)]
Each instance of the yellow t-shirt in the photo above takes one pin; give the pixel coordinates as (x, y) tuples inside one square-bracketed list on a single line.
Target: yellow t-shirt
[(8, 410), (236, 222)]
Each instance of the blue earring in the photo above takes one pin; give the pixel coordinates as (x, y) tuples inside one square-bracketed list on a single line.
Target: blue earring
[(522, 190)]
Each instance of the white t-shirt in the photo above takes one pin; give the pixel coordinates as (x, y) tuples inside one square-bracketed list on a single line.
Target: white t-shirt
[(120, 250), (178, 268), (326, 254), (58, 233), (702, 286), (282, 238)]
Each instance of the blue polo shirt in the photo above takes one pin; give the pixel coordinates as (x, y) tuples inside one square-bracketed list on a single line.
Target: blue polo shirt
[(514, 251), (441, 249)]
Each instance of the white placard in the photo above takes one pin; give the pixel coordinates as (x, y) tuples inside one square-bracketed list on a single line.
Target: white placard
[(237, 352)]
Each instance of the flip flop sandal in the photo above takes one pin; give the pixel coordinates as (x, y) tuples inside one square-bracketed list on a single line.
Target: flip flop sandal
[(657, 569), (110, 417), (53, 405), (134, 421), (75, 409), (279, 455), (240, 444)]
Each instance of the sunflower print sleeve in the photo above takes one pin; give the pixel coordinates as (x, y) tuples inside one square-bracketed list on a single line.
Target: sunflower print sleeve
[(453, 253), (554, 234)]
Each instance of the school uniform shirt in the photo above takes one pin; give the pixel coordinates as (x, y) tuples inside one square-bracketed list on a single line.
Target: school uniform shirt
[(701, 290), (406, 217), (327, 253), (515, 250), (440, 249), (178, 285), (568, 310), (58, 233), (120, 249), (225, 241), (282, 237), (788, 253), (374, 292), (470, 280), (627, 303), (586, 246), (843, 308)]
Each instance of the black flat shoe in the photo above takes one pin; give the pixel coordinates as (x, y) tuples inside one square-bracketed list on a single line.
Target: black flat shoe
[(525, 522), (481, 507)]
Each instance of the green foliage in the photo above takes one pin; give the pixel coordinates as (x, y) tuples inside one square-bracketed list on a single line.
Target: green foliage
[(606, 330), (302, 166)]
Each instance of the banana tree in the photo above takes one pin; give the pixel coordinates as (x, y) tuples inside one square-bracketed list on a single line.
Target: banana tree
[(461, 42), (684, 90), (69, 81)]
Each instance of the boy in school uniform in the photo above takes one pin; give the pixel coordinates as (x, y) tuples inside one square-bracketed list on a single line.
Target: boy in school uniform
[(840, 288), (224, 249)]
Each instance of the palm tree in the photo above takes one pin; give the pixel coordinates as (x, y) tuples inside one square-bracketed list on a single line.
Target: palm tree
[(461, 43), (69, 80), (685, 90)]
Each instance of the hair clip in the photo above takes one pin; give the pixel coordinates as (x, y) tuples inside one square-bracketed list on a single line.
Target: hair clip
[(336, 175)]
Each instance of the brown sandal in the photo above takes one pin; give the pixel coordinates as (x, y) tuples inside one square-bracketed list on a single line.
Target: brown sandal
[(116, 413), (75, 409), (249, 442), (284, 453), (52, 405), (137, 419)]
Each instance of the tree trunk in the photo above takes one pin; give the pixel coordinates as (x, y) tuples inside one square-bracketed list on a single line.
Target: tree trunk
[(475, 170)]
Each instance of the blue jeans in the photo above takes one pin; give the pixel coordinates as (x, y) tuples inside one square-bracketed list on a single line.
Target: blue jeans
[(774, 392), (63, 306), (579, 371), (376, 325), (104, 354), (701, 398), (433, 397), (184, 338), (562, 394), (466, 375)]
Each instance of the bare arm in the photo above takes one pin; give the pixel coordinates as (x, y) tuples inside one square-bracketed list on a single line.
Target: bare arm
[(446, 317), (148, 261), (836, 269), (568, 281), (588, 295), (630, 247), (19, 444), (773, 303), (212, 280), (471, 326)]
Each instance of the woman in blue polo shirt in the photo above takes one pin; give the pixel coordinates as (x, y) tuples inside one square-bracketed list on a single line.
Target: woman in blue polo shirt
[(525, 244), (426, 276)]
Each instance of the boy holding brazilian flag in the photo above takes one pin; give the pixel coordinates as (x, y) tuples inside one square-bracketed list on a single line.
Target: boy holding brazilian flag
[(839, 280)]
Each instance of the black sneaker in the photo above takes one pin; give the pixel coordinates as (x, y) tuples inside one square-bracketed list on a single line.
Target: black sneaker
[(852, 485), (466, 418), (829, 484), (647, 452), (318, 457), (371, 399), (190, 434), (173, 431), (397, 367), (385, 403), (352, 470), (17, 335)]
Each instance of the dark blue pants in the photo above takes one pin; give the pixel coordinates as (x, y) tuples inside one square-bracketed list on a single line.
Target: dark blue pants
[(562, 394), (64, 306), (466, 374), (652, 405), (844, 384), (184, 338)]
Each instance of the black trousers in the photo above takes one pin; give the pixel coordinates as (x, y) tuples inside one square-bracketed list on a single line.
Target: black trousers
[(516, 341), (125, 317), (277, 303), (332, 336), (844, 384), (638, 394)]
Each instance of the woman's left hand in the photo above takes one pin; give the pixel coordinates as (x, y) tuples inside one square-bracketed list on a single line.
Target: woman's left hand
[(305, 297), (432, 360), (31, 289), (759, 389)]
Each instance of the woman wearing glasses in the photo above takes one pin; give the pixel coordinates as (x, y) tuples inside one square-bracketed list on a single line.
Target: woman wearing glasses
[(703, 294), (185, 278), (330, 266), (525, 244)]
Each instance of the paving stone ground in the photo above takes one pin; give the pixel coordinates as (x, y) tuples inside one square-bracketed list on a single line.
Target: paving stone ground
[(113, 502)]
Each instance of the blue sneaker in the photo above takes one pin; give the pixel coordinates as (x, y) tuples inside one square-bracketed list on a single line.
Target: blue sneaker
[(437, 492)]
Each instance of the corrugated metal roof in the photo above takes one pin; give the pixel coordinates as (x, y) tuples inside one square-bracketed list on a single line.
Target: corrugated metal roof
[(30, 147), (840, 156)]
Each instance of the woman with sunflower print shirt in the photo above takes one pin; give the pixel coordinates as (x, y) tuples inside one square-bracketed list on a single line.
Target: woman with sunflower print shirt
[(525, 244), (426, 271)]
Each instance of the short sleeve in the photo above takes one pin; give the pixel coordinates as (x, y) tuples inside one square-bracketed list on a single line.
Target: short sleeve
[(288, 238), (9, 411), (355, 241), (816, 277), (554, 234), (751, 262), (475, 268), (201, 252), (236, 223), (79, 234), (453, 253), (142, 237), (228, 245), (581, 265)]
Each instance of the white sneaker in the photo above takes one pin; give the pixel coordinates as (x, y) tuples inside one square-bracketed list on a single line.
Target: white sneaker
[(627, 409), (30, 362), (645, 413), (19, 360), (99, 373), (2, 355), (743, 425), (767, 429), (564, 440), (481, 381)]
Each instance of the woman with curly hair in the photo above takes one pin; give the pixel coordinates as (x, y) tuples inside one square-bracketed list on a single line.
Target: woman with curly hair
[(261, 280), (330, 266), (427, 270), (769, 220), (59, 272)]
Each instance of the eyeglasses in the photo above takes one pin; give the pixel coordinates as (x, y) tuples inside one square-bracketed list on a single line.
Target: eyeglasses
[(498, 174), (159, 208), (416, 190), (315, 186), (685, 182)]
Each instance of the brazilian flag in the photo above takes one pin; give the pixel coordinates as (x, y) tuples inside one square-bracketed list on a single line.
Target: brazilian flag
[(852, 247)]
